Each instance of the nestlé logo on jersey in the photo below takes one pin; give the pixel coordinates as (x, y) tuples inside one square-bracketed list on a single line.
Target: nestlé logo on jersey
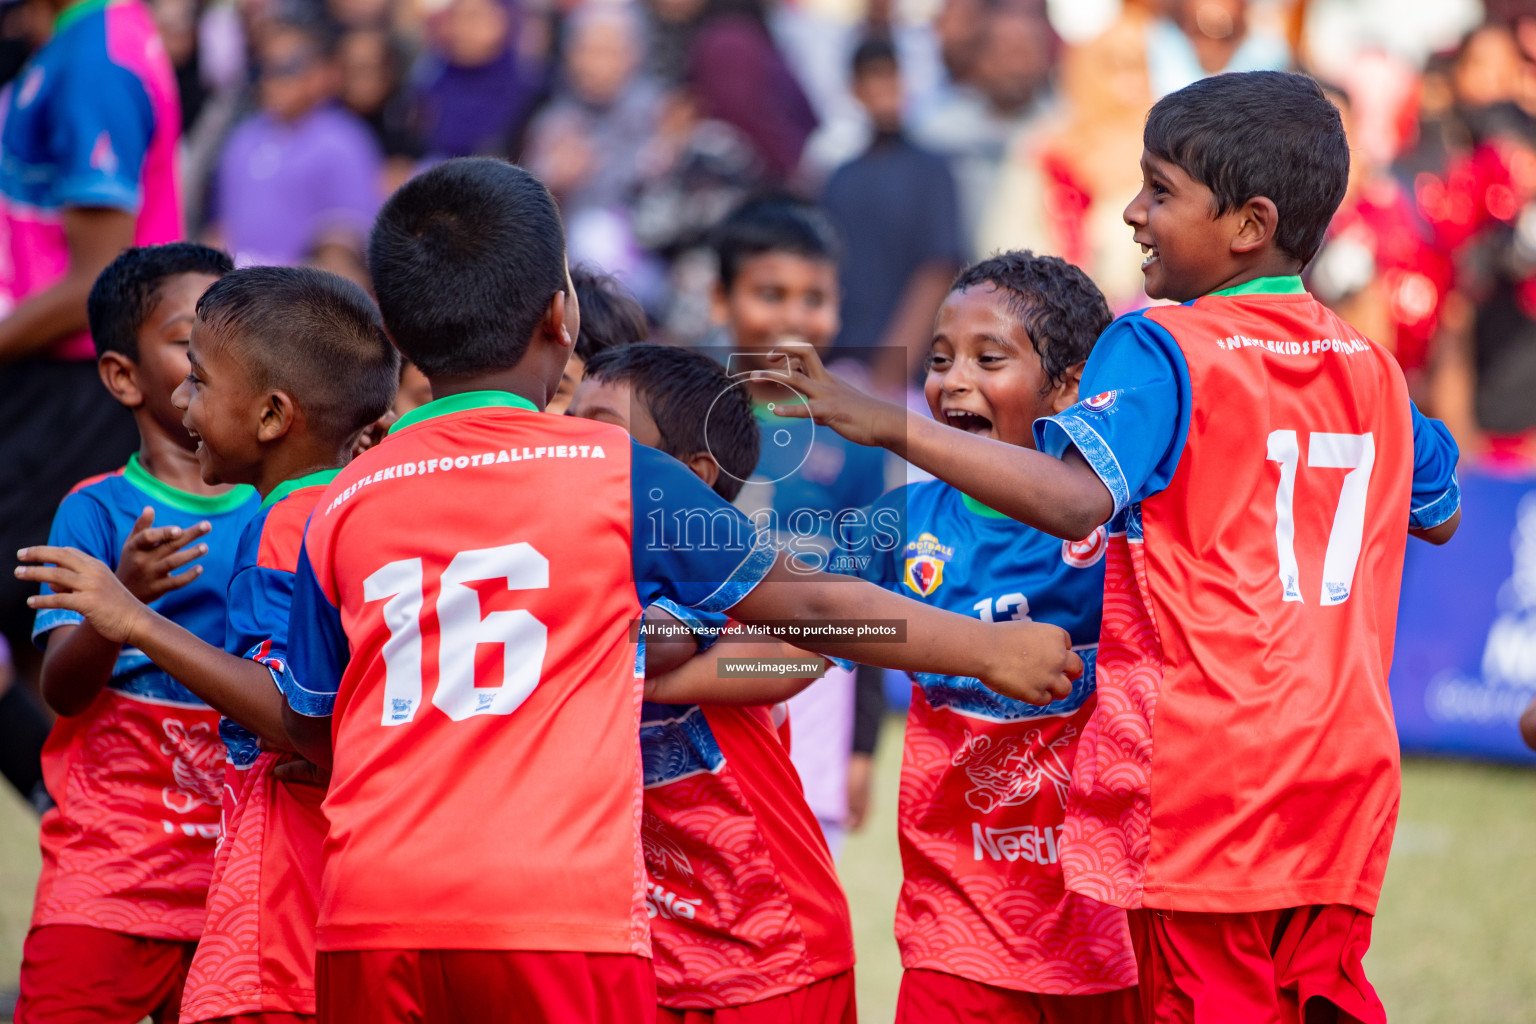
[(1101, 402), (1081, 554), (925, 564)]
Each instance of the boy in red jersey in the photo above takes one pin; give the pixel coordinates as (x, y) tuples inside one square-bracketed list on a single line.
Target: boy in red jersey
[(1260, 466), (269, 409), (748, 920), (134, 760), (460, 640)]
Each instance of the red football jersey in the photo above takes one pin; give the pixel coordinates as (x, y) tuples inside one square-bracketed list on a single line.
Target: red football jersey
[(1243, 755), (257, 953), (744, 899), (462, 612)]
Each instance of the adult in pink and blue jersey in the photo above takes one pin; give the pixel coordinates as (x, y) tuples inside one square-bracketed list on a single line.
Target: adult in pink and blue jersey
[(88, 134)]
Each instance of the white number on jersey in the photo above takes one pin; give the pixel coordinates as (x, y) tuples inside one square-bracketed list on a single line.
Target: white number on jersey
[(461, 629), (1009, 607), (1354, 452)]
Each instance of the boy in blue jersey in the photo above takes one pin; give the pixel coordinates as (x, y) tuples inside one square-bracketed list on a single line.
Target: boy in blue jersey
[(460, 640), (134, 762), (985, 927), (778, 282), (287, 365)]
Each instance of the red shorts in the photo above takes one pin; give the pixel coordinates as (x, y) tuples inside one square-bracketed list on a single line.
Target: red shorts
[(273, 1017), (1259, 968), (73, 974), (828, 1001), (473, 986), (938, 997)]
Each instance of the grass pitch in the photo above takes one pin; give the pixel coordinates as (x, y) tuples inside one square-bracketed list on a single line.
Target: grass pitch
[(1455, 936)]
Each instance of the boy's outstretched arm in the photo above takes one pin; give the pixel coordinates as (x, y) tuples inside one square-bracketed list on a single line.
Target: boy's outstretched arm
[(1028, 661), (676, 672), (237, 688), (78, 661), (1062, 497)]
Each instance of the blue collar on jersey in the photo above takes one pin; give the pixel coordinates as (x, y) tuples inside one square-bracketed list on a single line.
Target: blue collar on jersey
[(1287, 284), (287, 487), (461, 403), (197, 504), (69, 15)]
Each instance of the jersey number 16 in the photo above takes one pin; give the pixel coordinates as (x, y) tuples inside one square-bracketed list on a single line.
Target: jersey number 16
[(461, 628)]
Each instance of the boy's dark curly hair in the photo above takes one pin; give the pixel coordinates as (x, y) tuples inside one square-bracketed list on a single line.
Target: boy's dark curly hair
[(1062, 310)]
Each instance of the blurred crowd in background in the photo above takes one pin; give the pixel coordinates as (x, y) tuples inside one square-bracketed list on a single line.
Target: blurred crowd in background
[(933, 131)]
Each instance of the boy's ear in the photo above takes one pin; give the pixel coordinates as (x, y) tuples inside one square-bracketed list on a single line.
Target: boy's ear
[(1064, 393), (1257, 221), (704, 467), (279, 413), (557, 325), (121, 377)]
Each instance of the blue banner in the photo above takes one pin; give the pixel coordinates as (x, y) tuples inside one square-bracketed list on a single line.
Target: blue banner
[(1465, 665)]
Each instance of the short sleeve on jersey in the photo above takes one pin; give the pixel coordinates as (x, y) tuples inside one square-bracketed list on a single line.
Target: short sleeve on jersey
[(317, 647), (1132, 428), (82, 522), (690, 545), (260, 600), (1436, 495), (100, 135), (705, 626)]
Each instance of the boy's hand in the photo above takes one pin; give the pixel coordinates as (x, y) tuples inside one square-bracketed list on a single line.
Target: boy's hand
[(831, 401), (85, 585), (1033, 662), (299, 772), (151, 554)]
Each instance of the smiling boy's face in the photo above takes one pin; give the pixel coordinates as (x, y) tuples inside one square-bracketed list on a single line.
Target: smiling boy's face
[(162, 340), (984, 375), (780, 295), (221, 410), (1186, 244)]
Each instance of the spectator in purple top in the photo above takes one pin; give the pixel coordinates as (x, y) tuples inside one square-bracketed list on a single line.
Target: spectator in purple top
[(740, 78), (474, 96), (302, 175)]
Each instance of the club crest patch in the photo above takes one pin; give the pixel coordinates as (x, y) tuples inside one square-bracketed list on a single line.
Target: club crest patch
[(1080, 554), (1101, 402), (925, 564)]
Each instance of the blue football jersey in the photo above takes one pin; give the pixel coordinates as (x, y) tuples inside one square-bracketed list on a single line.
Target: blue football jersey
[(929, 542), (97, 517)]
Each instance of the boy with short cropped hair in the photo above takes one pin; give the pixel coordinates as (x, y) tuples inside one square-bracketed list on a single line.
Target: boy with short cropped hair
[(747, 914), (484, 859), (610, 318), (288, 365), (1261, 466), (986, 929), (778, 283), (134, 762)]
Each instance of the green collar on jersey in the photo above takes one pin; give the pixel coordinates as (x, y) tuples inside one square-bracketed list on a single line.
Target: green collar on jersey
[(1287, 284), (197, 504), (461, 403), (761, 409), (69, 15), (287, 487), (980, 509)]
